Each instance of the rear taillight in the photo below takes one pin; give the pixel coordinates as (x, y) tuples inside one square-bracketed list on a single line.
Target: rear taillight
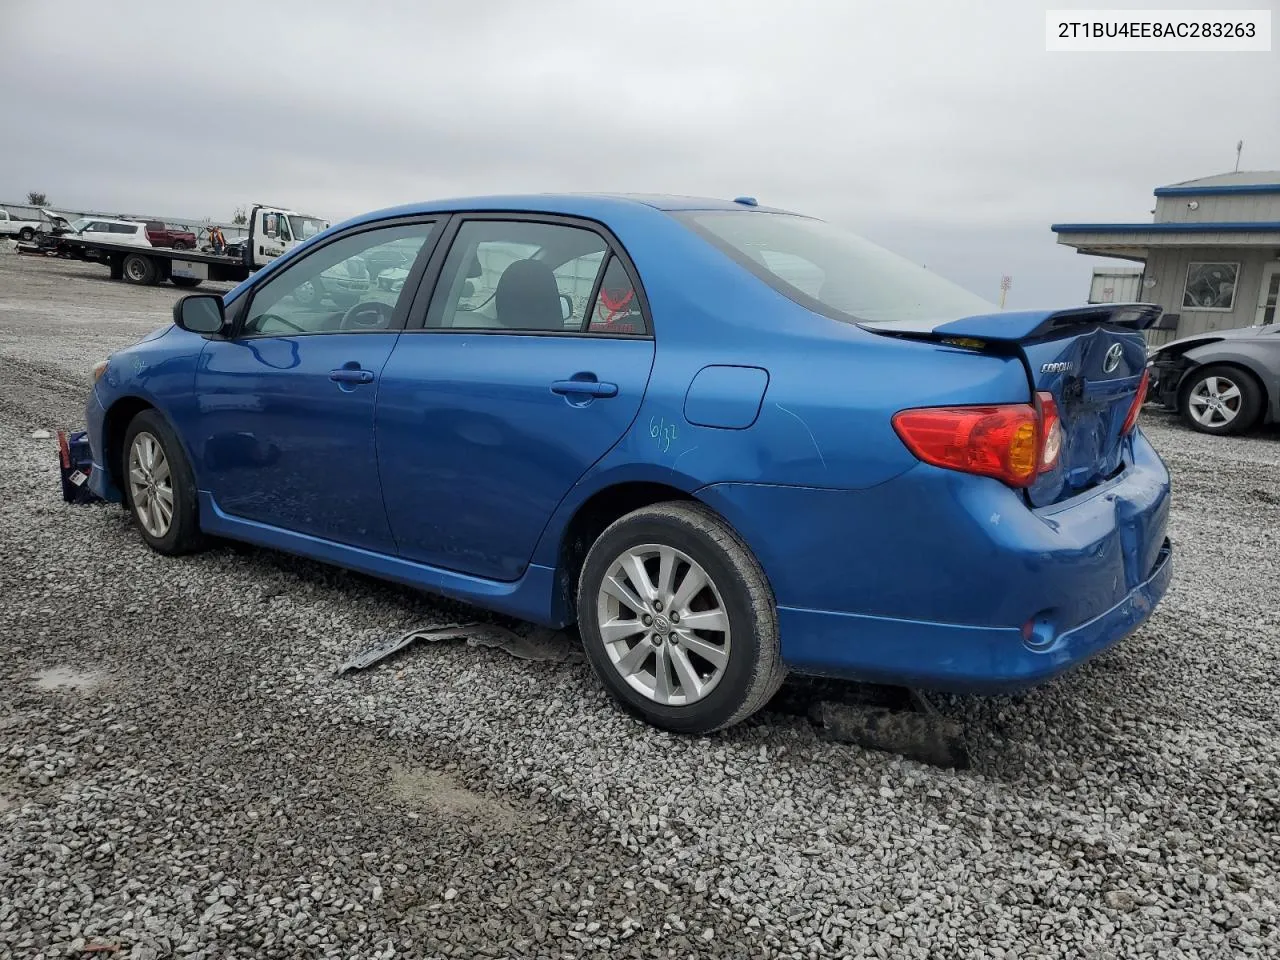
[(1013, 442), (1050, 431), (1139, 398)]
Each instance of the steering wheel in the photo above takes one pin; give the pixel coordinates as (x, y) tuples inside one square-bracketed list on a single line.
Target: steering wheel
[(263, 317), (370, 315)]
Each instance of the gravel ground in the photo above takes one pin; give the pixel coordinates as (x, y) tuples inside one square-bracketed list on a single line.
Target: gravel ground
[(181, 774)]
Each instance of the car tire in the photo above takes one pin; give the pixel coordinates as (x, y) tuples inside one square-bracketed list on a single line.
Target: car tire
[(185, 283), (181, 245), (141, 270), (1221, 399), (145, 479), (714, 677), (26, 234)]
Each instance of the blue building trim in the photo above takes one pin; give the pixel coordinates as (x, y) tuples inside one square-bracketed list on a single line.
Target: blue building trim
[(1256, 226), (1218, 191)]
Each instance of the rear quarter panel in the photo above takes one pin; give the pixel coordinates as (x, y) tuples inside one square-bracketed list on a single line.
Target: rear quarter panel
[(824, 418)]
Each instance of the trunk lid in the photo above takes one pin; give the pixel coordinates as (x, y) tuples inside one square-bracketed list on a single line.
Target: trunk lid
[(1090, 359)]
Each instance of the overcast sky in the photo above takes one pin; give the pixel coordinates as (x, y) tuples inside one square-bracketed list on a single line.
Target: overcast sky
[(940, 129)]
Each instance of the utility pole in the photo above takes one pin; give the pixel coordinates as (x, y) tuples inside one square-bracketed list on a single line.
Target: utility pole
[(1239, 147), (1006, 282)]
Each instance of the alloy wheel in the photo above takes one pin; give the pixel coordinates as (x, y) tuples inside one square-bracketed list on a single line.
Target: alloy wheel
[(1214, 402), (664, 624), (150, 485)]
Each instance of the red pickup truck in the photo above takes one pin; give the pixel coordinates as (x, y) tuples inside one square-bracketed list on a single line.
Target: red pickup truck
[(160, 235)]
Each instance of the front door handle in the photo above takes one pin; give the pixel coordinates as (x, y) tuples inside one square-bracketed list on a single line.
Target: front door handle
[(584, 388), (348, 375)]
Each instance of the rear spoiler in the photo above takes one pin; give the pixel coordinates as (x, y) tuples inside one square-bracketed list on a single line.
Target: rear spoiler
[(1019, 325)]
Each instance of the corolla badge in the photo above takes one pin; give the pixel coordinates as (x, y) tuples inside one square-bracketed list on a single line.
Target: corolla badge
[(1112, 359), (1055, 368)]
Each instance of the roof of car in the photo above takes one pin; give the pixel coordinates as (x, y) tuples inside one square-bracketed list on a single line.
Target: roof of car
[(591, 205)]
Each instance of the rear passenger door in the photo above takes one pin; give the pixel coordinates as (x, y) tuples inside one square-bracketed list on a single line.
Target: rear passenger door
[(530, 364)]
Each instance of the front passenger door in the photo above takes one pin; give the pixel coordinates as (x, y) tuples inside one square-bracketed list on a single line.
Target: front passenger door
[(286, 404)]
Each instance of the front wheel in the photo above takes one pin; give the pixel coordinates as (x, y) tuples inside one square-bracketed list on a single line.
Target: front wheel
[(1220, 399), (678, 620), (159, 487), (26, 234)]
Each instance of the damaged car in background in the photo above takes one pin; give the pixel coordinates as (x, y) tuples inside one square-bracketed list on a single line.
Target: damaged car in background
[(725, 442), (1223, 382)]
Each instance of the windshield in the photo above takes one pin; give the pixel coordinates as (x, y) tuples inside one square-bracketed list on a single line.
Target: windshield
[(832, 271), (78, 225), (304, 228)]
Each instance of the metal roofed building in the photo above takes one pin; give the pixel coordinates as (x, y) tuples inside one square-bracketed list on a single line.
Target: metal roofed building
[(1211, 254)]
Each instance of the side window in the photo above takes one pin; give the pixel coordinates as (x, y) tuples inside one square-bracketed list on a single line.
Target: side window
[(351, 285), (576, 279), (617, 309), (517, 275), (269, 226)]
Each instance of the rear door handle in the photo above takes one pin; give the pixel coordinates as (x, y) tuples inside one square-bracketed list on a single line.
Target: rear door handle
[(584, 388), (347, 375)]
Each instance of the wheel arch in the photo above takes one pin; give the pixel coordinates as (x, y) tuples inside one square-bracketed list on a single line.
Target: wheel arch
[(590, 519), (114, 426)]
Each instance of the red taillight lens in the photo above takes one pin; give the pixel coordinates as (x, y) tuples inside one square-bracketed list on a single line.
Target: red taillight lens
[(1013, 442), (997, 441), (1139, 399)]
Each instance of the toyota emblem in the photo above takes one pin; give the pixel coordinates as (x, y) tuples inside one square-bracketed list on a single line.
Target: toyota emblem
[(1112, 359)]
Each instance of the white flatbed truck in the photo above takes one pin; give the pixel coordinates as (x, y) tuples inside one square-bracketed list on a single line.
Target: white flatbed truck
[(272, 232)]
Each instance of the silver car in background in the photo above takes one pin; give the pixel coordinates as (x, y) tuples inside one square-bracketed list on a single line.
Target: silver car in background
[(1225, 382)]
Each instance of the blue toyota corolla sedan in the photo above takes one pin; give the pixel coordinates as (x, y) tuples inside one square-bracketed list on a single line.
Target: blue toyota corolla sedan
[(725, 441)]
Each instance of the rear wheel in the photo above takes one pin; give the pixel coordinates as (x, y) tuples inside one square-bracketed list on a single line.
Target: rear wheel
[(678, 620), (158, 486), (140, 269), (1220, 399)]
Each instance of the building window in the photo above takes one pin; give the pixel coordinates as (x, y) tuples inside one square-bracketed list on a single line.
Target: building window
[(1210, 286)]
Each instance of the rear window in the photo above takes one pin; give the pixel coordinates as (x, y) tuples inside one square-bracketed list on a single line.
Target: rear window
[(832, 271)]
